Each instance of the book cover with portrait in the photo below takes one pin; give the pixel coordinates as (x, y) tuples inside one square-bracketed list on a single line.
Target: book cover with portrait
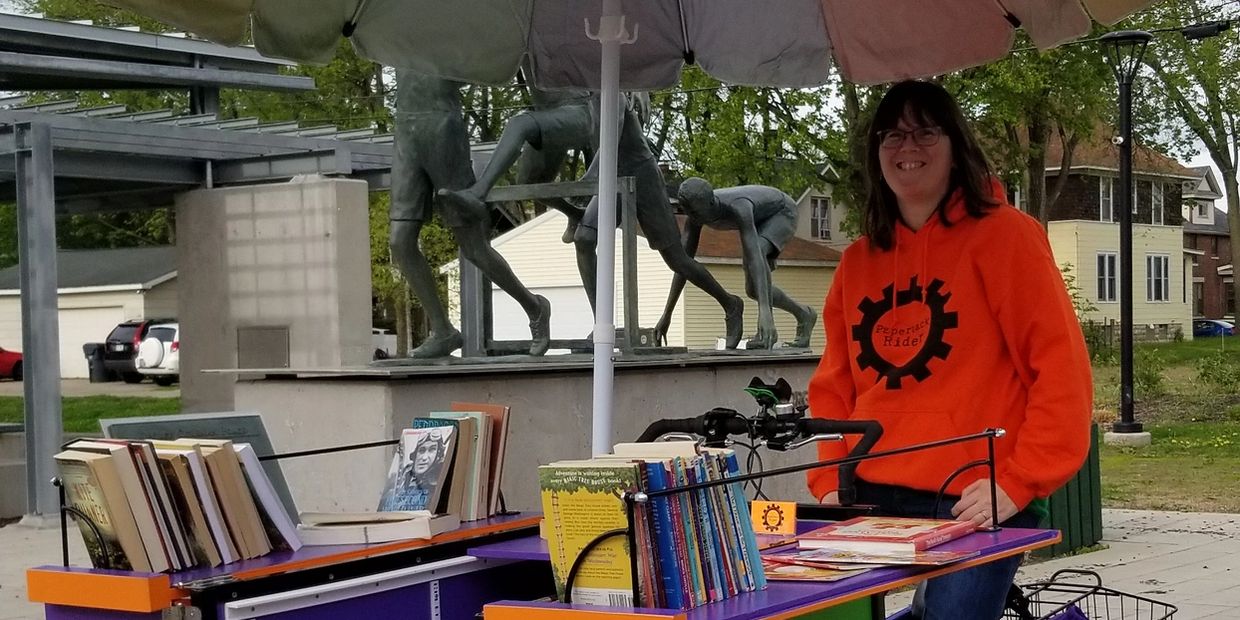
[(419, 469)]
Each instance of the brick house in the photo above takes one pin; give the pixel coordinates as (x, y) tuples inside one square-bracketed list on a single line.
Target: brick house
[(1207, 241), (1083, 227)]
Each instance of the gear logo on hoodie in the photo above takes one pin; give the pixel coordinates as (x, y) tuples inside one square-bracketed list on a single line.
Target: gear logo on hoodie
[(902, 331)]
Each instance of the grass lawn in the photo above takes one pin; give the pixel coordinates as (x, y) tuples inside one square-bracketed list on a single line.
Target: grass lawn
[(82, 414), (1194, 461)]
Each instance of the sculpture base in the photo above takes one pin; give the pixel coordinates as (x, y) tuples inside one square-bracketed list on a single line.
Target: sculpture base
[(551, 412)]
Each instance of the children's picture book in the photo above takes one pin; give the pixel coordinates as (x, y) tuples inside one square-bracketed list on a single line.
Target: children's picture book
[(419, 469), (784, 571), (837, 557), (580, 500), (811, 557), (885, 534)]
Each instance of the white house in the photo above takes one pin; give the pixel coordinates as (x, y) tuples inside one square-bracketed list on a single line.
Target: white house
[(548, 267), (98, 289)]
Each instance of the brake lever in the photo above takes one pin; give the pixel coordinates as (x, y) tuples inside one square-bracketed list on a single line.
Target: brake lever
[(793, 445)]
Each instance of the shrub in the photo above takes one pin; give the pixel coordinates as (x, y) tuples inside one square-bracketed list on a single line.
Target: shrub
[(1147, 372), (1216, 370)]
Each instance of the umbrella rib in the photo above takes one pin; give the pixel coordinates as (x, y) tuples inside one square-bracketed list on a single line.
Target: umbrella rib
[(684, 32), (351, 25)]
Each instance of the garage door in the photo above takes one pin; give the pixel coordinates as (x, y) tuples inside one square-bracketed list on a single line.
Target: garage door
[(79, 326), (570, 314)]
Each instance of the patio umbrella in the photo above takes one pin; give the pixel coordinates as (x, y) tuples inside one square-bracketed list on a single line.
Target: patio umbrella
[(576, 43)]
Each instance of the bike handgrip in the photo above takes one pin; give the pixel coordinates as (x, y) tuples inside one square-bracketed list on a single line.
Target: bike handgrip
[(870, 432), (660, 428)]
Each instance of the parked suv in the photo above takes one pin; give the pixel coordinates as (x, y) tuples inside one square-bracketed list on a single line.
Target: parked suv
[(159, 355), (120, 349)]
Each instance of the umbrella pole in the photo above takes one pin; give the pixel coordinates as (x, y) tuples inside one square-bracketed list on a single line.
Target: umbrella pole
[(610, 34)]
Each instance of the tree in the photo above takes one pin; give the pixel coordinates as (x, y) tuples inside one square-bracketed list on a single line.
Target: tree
[(737, 135), (1020, 101), (1196, 81)]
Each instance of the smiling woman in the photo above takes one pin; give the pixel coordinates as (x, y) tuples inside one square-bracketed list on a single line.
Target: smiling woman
[(950, 317)]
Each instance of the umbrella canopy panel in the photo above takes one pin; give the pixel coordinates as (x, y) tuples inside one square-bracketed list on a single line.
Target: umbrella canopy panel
[(781, 43)]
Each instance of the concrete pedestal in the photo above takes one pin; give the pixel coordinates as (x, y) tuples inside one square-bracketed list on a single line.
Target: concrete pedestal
[(1131, 440), (550, 418)]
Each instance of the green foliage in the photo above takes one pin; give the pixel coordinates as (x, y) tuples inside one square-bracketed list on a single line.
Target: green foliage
[(735, 135), (1218, 371), (1025, 101), (1147, 372)]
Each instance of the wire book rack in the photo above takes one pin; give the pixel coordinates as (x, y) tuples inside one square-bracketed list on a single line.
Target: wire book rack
[(1072, 594)]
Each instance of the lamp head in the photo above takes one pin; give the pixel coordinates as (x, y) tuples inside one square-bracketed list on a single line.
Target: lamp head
[(1124, 49)]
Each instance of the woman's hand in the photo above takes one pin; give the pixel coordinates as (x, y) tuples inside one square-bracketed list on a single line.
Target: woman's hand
[(974, 504), (832, 498)]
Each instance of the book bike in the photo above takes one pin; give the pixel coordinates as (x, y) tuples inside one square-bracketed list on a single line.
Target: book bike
[(781, 424)]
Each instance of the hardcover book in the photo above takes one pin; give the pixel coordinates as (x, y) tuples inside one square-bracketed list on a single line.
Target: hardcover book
[(93, 487), (839, 558), (885, 534), (372, 527)]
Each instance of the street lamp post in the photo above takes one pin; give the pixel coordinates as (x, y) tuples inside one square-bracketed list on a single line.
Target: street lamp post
[(1124, 50)]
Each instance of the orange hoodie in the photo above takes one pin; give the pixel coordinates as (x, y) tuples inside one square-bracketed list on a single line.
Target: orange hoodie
[(954, 330)]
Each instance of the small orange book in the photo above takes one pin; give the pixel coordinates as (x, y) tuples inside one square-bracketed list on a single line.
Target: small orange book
[(890, 534)]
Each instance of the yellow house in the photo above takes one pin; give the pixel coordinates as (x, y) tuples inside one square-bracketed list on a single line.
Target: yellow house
[(1084, 233)]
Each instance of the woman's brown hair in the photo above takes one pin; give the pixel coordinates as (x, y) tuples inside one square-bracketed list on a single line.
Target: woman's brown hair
[(934, 107)]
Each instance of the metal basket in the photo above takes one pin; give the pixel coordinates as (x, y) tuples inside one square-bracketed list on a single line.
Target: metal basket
[(1069, 595)]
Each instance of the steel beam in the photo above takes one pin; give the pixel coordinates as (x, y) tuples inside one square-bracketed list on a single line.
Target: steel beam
[(36, 234), (140, 75)]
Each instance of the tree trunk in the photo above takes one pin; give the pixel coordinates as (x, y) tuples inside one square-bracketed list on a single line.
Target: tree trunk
[(1039, 133), (1065, 164), (1233, 222)]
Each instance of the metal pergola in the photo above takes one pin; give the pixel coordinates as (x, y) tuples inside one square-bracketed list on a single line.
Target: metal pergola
[(56, 158)]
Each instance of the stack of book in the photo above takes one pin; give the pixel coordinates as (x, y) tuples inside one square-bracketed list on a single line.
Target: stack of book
[(843, 549), (693, 548), (450, 462), (172, 505)]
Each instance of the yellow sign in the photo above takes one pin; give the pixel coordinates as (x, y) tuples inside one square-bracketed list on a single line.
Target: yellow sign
[(773, 517)]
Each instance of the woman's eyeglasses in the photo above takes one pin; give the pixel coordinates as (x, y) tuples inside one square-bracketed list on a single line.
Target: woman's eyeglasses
[(922, 136)]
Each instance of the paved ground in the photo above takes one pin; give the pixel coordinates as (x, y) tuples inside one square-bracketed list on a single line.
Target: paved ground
[(82, 387), (1191, 560)]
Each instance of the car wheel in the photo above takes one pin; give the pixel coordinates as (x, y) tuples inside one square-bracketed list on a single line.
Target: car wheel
[(164, 380), (17, 371), (131, 377)]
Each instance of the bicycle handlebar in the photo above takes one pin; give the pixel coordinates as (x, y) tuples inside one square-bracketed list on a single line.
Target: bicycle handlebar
[(778, 432)]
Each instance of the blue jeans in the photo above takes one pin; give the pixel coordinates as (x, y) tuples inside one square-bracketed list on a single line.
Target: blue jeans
[(977, 593)]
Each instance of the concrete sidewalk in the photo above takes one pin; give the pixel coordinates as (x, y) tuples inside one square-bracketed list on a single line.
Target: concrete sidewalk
[(1190, 560)]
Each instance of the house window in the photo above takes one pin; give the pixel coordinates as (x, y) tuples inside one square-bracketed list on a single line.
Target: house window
[(1203, 211), (1199, 298), (1106, 276), (1134, 196), (820, 218), (1106, 202), (1157, 277), (1157, 215)]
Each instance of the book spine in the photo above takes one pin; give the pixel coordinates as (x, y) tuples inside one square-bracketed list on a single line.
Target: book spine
[(746, 524), (707, 470), (692, 542), (677, 527), (647, 552), (736, 550), (664, 542), (704, 535), (932, 539)]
